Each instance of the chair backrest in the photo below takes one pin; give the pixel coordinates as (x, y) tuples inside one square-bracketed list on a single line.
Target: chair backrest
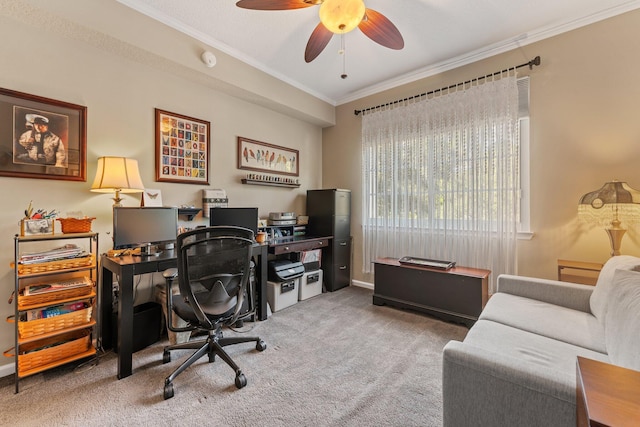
[(214, 266)]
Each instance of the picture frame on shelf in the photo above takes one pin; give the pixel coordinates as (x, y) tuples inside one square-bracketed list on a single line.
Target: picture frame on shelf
[(151, 197), (42, 137), (182, 148), (35, 227), (263, 157)]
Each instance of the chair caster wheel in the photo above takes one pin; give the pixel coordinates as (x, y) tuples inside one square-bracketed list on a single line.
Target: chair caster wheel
[(166, 357), (261, 345), (168, 391), (241, 380)]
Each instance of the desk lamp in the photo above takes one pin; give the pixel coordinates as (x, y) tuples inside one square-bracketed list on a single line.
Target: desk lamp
[(117, 175), (609, 206)]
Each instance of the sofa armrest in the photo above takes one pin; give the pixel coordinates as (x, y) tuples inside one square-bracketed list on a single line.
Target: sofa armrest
[(565, 294), (484, 388)]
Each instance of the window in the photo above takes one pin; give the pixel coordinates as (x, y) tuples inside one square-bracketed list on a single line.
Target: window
[(443, 177)]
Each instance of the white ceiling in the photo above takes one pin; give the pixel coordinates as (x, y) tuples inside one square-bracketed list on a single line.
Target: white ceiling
[(438, 35)]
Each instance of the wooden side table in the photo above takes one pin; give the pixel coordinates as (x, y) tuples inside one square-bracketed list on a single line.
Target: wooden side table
[(606, 395), (585, 273)]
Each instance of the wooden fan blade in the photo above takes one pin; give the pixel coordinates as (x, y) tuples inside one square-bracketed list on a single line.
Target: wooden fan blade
[(378, 28), (317, 42), (275, 4)]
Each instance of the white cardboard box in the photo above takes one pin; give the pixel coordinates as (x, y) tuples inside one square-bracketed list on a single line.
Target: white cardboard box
[(310, 284), (282, 294)]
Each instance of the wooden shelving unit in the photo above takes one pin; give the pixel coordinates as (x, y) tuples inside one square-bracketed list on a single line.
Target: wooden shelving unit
[(43, 343)]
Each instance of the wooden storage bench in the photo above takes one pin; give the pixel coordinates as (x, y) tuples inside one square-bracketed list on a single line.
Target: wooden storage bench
[(458, 294)]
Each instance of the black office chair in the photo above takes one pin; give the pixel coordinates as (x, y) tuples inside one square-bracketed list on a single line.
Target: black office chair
[(215, 291)]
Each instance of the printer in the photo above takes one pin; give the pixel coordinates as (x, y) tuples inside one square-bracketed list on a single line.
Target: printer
[(284, 282), (284, 270)]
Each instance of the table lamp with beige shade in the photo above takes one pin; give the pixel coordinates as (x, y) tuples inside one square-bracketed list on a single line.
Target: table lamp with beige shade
[(117, 175)]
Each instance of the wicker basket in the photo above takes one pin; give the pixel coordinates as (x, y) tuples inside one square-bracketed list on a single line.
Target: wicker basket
[(25, 301), (75, 225), (39, 353), (37, 327), (64, 264)]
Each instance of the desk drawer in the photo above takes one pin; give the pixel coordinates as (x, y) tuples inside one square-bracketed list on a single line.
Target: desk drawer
[(306, 245)]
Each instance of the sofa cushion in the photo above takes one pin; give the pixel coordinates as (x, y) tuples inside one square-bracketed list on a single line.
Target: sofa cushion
[(484, 388), (622, 322), (600, 295), (549, 320), (535, 352)]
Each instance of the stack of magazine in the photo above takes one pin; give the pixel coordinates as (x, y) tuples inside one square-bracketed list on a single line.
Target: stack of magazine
[(64, 252), (42, 288)]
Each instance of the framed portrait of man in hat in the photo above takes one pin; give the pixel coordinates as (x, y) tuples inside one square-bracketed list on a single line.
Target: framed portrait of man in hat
[(41, 137)]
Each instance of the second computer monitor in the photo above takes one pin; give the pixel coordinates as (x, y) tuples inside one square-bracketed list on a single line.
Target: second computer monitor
[(239, 217)]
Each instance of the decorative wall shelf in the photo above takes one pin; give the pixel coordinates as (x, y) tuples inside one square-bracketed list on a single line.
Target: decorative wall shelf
[(270, 183), (190, 213)]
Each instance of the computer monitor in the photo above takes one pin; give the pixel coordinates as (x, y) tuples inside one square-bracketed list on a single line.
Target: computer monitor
[(145, 228), (239, 217)]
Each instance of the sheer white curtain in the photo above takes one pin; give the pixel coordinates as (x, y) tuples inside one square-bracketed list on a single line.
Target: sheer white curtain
[(441, 178)]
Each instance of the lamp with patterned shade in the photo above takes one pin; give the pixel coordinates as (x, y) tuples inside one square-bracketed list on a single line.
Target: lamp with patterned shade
[(610, 206)]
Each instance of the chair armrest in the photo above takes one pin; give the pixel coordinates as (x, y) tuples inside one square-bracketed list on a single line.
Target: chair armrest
[(170, 273), (565, 294)]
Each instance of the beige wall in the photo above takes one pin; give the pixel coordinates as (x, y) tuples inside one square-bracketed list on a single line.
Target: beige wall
[(121, 86), (584, 131)]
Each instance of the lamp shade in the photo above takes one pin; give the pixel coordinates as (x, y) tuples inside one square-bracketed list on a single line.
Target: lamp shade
[(609, 206), (615, 200), (341, 16), (117, 174)]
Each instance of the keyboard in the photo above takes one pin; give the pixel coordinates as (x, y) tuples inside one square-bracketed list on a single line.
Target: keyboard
[(431, 263)]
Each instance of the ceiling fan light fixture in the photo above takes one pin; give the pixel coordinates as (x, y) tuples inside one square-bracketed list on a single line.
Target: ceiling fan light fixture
[(341, 16)]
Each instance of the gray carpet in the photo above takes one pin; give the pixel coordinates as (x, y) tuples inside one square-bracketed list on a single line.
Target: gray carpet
[(332, 360)]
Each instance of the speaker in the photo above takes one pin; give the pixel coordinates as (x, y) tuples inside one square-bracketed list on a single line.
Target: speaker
[(147, 324)]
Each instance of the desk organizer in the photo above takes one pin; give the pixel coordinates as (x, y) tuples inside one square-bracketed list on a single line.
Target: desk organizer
[(32, 227)]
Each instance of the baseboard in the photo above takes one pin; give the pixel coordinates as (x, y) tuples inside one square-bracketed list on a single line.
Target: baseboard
[(8, 369), (360, 284)]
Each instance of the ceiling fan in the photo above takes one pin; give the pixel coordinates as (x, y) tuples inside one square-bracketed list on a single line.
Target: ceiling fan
[(336, 17)]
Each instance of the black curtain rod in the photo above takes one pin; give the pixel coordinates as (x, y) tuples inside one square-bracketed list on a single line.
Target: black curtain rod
[(534, 61)]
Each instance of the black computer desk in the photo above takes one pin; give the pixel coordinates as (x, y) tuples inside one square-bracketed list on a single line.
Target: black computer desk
[(129, 266)]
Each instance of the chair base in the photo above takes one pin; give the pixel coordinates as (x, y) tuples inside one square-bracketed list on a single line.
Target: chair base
[(211, 347)]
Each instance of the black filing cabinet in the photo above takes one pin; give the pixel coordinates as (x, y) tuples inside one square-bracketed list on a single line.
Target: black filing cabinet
[(329, 213)]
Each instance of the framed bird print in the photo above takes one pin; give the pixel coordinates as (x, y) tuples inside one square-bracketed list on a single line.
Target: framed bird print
[(260, 156), (182, 148)]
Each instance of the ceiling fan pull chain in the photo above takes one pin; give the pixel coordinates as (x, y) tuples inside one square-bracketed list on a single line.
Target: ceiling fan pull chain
[(344, 57)]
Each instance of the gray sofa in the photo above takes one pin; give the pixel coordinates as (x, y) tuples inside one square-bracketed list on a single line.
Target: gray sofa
[(517, 364)]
